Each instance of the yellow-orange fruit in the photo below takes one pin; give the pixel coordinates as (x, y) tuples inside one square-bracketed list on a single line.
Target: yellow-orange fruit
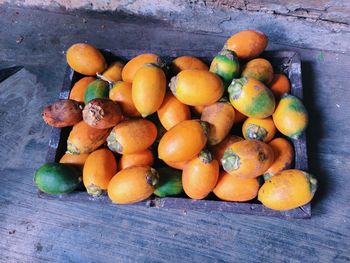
[(259, 69), (85, 139), (77, 93), (219, 149), (187, 62), (177, 165), (114, 72), (290, 116), (236, 189), (284, 155), (239, 117), (279, 85), (220, 117), (132, 184), (200, 176), (259, 129), (247, 44), (136, 63), (85, 59), (76, 160), (132, 136), (99, 169), (184, 141), (121, 93), (287, 190), (197, 87), (247, 159), (144, 158), (148, 89), (172, 111)]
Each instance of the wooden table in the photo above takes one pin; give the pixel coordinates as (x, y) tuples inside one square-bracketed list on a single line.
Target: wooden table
[(36, 230)]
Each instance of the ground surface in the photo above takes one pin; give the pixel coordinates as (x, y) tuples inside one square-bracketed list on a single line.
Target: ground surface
[(36, 230)]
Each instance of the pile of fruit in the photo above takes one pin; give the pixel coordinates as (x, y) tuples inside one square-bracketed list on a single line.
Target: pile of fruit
[(133, 137)]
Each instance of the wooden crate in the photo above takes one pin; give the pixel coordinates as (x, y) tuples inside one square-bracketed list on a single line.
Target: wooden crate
[(286, 62)]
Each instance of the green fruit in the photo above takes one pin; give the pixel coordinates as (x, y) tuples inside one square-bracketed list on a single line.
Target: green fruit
[(225, 65), (96, 89), (170, 182), (57, 178)]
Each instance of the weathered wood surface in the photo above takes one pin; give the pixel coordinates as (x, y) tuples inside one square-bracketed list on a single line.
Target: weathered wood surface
[(37, 230)]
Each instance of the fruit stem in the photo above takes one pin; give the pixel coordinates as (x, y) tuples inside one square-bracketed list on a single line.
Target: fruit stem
[(152, 177), (205, 156)]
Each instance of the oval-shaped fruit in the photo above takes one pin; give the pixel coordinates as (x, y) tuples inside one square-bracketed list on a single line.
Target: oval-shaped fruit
[(132, 184), (251, 97), (259, 69), (290, 116), (259, 129), (136, 63), (284, 156), (247, 159), (236, 189), (148, 89), (239, 117), (184, 141), (85, 139), (226, 65), (62, 113), (132, 136), (85, 59), (219, 149), (287, 190), (144, 158), (177, 165), (57, 178), (172, 111), (200, 175), (187, 62), (121, 93), (114, 72), (99, 169), (247, 44), (197, 87), (170, 182), (75, 160), (77, 93), (220, 117), (102, 113), (279, 85), (96, 89)]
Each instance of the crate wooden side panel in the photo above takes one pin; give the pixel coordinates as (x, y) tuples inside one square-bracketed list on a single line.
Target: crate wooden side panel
[(283, 61)]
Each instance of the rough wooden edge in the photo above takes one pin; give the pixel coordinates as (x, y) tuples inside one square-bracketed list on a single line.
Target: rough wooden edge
[(293, 67)]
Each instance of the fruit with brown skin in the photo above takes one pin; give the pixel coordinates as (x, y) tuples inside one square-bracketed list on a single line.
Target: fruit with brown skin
[(247, 44), (102, 113), (239, 117), (172, 111), (220, 117), (259, 69), (133, 184), (187, 62), (132, 136), (236, 189), (121, 92), (133, 65), (99, 169), (148, 89), (219, 149), (197, 87), (77, 93), (85, 59), (200, 175), (288, 189), (62, 113), (144, 158), (247, 159), (85, 139), (184, 141), (259, 129), (284, 156)]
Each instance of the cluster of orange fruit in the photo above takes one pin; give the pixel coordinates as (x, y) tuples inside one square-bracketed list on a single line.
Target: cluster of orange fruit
[(114, 112)]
